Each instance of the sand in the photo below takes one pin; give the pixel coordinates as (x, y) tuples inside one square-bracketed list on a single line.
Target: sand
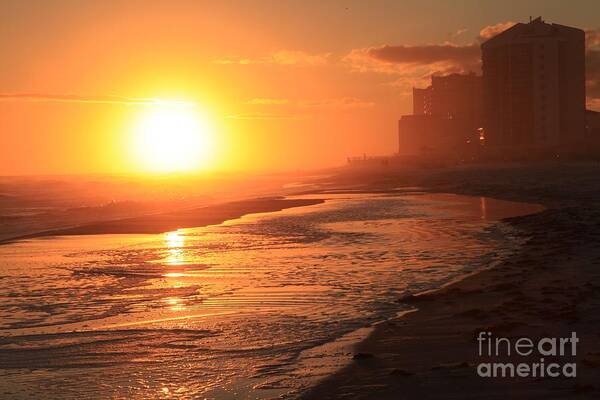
[(550, 288), (170, 221)]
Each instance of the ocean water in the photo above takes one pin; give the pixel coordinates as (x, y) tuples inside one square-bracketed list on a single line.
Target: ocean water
[(258, 307)]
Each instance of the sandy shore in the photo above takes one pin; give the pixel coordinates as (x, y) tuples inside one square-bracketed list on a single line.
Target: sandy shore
[(550, 288), (165, 222)]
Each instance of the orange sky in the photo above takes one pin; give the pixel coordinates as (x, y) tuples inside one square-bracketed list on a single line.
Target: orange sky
[(286, 84)]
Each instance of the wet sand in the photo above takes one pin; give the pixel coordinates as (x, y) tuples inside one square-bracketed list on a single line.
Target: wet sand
[(549, 289), (165, 222)]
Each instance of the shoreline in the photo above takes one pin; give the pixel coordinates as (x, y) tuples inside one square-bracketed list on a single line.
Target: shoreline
[(549, 288), (170, 221), (328, 358), (431, 353), (413, 300), (345, 346), (420, 194)]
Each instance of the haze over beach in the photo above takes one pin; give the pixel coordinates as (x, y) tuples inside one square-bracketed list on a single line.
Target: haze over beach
[(299, 200)]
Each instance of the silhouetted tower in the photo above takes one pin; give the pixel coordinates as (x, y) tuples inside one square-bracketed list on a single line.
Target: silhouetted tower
[(422, 101), (453, 96), (534, 85)]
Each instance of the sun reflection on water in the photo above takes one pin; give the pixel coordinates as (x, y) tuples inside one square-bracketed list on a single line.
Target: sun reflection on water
[(175, 303), (174, 275), (174, 241), (483, 207)]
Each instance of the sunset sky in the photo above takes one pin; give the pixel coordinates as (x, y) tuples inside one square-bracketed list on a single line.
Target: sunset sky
[(276, 85)]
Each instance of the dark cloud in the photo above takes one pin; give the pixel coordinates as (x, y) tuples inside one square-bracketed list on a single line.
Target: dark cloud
[(448, 55), (427, 54)]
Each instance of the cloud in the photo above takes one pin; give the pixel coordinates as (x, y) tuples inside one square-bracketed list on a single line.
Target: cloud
[(266, 116), (282, 57), (267, 101), (427, 54), (290, 109), (330, 103), (289, 57), (405, 83), (459, 32), (492, 30), (73, 98), (338, 103), (415, 62)]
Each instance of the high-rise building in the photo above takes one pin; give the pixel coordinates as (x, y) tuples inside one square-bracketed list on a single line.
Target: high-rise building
[(450, 96), (422, 101), (457, 96), (446, 116), (534, 85)]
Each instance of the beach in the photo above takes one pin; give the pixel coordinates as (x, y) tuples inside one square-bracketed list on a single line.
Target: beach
[(252, 299), (286, 200), (550, 288), (168, 221), (366, 285)]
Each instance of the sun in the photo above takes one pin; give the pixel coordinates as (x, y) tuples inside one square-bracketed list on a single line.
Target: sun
[(173, 139)]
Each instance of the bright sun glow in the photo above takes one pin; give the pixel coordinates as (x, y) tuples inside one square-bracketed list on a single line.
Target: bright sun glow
[(173, 139)]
